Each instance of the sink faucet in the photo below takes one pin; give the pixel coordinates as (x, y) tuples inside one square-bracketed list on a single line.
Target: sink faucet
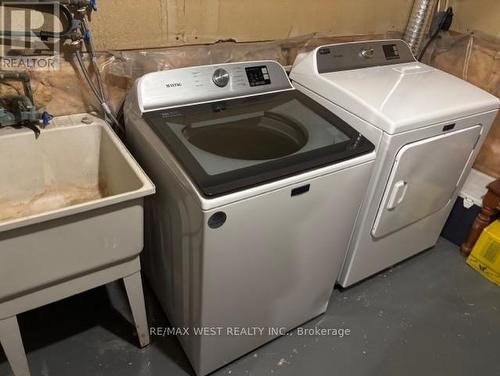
[(19, 110)]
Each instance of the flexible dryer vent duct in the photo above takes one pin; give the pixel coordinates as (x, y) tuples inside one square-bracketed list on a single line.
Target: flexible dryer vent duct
[(419, 23)]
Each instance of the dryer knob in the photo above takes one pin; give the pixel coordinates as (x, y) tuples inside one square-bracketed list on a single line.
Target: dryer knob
[(367, 53), (220, 77)]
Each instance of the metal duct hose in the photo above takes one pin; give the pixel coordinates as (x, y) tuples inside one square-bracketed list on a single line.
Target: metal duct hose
[(419, 23)]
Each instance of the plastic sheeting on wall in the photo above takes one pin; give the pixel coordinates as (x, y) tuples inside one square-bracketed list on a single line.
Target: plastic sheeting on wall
[(65, 92), (475, 58)]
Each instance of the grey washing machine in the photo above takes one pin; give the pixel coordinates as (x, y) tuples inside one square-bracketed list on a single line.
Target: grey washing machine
[(258, 188)]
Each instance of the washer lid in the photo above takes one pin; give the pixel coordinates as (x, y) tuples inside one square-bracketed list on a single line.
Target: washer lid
[(230, 145), (394, 93)]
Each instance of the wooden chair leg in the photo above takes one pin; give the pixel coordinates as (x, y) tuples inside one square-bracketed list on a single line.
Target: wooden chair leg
[(133, 285), (483, 219), (12, 343)]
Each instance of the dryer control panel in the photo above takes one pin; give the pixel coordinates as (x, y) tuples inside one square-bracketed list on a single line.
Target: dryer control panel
[(357, 55), (208, 83)]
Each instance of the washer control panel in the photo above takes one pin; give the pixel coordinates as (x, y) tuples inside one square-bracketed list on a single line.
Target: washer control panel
[(357, 55), (185, 86)]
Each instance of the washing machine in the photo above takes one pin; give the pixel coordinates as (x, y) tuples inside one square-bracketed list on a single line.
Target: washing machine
[(258, 188), (427, 126)]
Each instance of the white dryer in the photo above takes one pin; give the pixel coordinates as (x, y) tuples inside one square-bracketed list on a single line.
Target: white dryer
[(258, 188), (427, 126)]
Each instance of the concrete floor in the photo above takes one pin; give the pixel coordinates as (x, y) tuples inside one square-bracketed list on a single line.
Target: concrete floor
[(431, 315)]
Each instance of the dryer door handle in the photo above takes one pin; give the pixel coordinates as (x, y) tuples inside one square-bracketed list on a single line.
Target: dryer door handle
[(397, 195)]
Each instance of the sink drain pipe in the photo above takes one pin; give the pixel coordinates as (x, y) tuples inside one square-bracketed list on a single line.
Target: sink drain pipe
[(419, 24)]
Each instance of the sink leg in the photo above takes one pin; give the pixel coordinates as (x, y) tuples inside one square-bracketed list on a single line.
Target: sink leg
[(12, 343), (133, 285)]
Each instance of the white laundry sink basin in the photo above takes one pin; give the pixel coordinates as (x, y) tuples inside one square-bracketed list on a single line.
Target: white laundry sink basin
[(71, 202)]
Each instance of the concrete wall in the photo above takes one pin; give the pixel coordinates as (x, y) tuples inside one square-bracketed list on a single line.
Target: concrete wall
[(130, 24), (473, 15)]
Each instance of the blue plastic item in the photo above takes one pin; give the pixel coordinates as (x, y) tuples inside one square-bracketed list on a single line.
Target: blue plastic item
[(87, 36), (46, 118)]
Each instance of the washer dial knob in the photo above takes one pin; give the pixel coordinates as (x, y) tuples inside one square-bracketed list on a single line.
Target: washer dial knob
[(220, 77), (367, 53)]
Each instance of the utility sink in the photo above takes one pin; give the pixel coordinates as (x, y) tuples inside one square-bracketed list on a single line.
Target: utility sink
[(71, 203)]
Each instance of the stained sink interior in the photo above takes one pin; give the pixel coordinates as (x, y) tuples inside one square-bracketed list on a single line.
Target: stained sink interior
[(64, 167)]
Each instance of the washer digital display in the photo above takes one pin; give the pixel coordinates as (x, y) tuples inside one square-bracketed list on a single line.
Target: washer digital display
[(258, 76)]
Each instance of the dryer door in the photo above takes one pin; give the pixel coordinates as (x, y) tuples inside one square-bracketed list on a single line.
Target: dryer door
[(424, 178)]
